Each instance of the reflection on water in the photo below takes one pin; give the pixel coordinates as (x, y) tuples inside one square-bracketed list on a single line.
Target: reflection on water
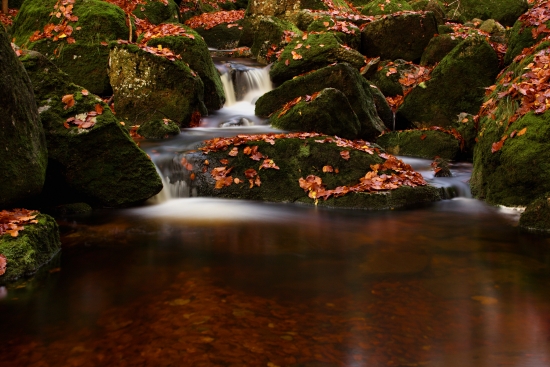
[(208, 282)]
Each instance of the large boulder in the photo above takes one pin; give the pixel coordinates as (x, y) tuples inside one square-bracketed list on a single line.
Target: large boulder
[(23, 157), (536, 216), (220, 30), (192, 49), (148, 87), (157, 12), (272, 35), (456, 85), (399, 36), (311, 52), (347, 33), (380, 7), (506, 12), (288, 8), (91, 155), (340, 76), (511, 157), (327, 112), (76, 41), (424, 143), (305, 168), (32, 247), (438, 48)]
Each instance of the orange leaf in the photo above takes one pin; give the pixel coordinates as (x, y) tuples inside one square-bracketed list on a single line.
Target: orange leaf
[(85, 92), (68, 100), (522, 131), (234, 152), (328, 169), (99, 109), (345, 154)]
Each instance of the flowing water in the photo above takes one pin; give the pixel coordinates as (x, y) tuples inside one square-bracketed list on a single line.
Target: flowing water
[(187, 281)]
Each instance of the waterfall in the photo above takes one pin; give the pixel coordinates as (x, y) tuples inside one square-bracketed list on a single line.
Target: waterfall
[(243, 83)]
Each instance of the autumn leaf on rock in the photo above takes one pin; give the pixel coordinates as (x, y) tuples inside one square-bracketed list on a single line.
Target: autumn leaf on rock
[(234, 152), (328, 169), (99, 109), (345, 154), (3, 264), (268, 163), (522, 131), (295, 55), (68, 100)]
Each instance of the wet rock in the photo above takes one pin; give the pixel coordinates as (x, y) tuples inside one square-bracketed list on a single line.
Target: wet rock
[(157, 12), (380, 7), (149, 87), (420, 143), (85, 59), (537, 215), (329, 112), (158, 129), (342, 77), (403, 36), (505, 12), (243, 121), (99, 164), (194, 52), (303, 55), (33, 247), (456, 85), (224, 36), (23, 157), (515, 171), (272, 34), (235, 172), (394, 263)]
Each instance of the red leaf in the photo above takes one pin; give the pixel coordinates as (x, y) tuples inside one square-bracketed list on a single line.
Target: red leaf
[(345, 154)]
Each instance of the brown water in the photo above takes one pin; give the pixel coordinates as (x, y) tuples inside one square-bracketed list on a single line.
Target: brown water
[(206, 282)]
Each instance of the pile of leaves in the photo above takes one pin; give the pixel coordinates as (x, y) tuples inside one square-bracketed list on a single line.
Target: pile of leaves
[(390, 175), (536, 17), (7, 19), (84, 120), (528, 92), (13, 221), (408, 80), (210, 20), (295, 101), (462, 31), (63, 10)]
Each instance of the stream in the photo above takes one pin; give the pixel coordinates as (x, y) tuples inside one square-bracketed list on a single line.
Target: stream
[(189, 281)]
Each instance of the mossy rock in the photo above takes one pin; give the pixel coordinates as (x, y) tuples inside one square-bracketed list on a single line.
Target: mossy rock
[(420, 143), (316, 51), (35, 245), (521, 37), (381, 7), (100, 165), (270, 37), (347, 33), (340, 76), (456, 85), (85, 60), (149, 87), (438, 48), (298, 158), (403, 36), (383, 109), (194, 52), (24, 156), (387, 77), (157, 11), (71, 209), (287, 8), (506, 12), (224, 36), (435, 6), (328, 113), (536, 216), (158, 129)]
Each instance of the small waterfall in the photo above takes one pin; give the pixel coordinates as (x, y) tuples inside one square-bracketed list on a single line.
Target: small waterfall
[(243, 83)]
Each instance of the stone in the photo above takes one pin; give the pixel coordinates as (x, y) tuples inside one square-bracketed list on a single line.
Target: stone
[(421, 143), (158, 129), (381, 7), (157, 12), (506, 12), (536, 216), (272, 34), (438, 48), (23, 156)]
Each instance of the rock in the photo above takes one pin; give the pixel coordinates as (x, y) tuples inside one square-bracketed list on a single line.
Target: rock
[(100, 164), (435, 6), (71, 209), (149, 87), (157, 12), (83, 53), (158, 129), (438, 48), (297, 156), (505, 12), (33, 247), (347, 33), (537, 215), (194, 52), (402, 36), (514, 171), (383, 109), (224, 36), (271, 35), (288, 8), (456, 85), (23, 157), (521, 35), (329, 112), (389, 73), (381, 7), (342, 77), (314, 52), (421, 143)]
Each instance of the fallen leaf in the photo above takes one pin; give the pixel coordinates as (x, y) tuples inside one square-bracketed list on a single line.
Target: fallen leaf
[(345, 154), (522, 131), (68, 100), (3, 264)]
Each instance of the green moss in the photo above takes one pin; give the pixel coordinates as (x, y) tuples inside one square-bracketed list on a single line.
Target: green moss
[(456, 85), (401, 36), (222, 37), (438, 48), (351, 38), (521, 37), (23, 157), (419, 143), (380, 7), (342, 77), (296, 161), (330, 113), (506, 12), (270, 36), (34, 247), (194, 52), (156, 11), (537, 215), (158, 129), (315, 52)]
